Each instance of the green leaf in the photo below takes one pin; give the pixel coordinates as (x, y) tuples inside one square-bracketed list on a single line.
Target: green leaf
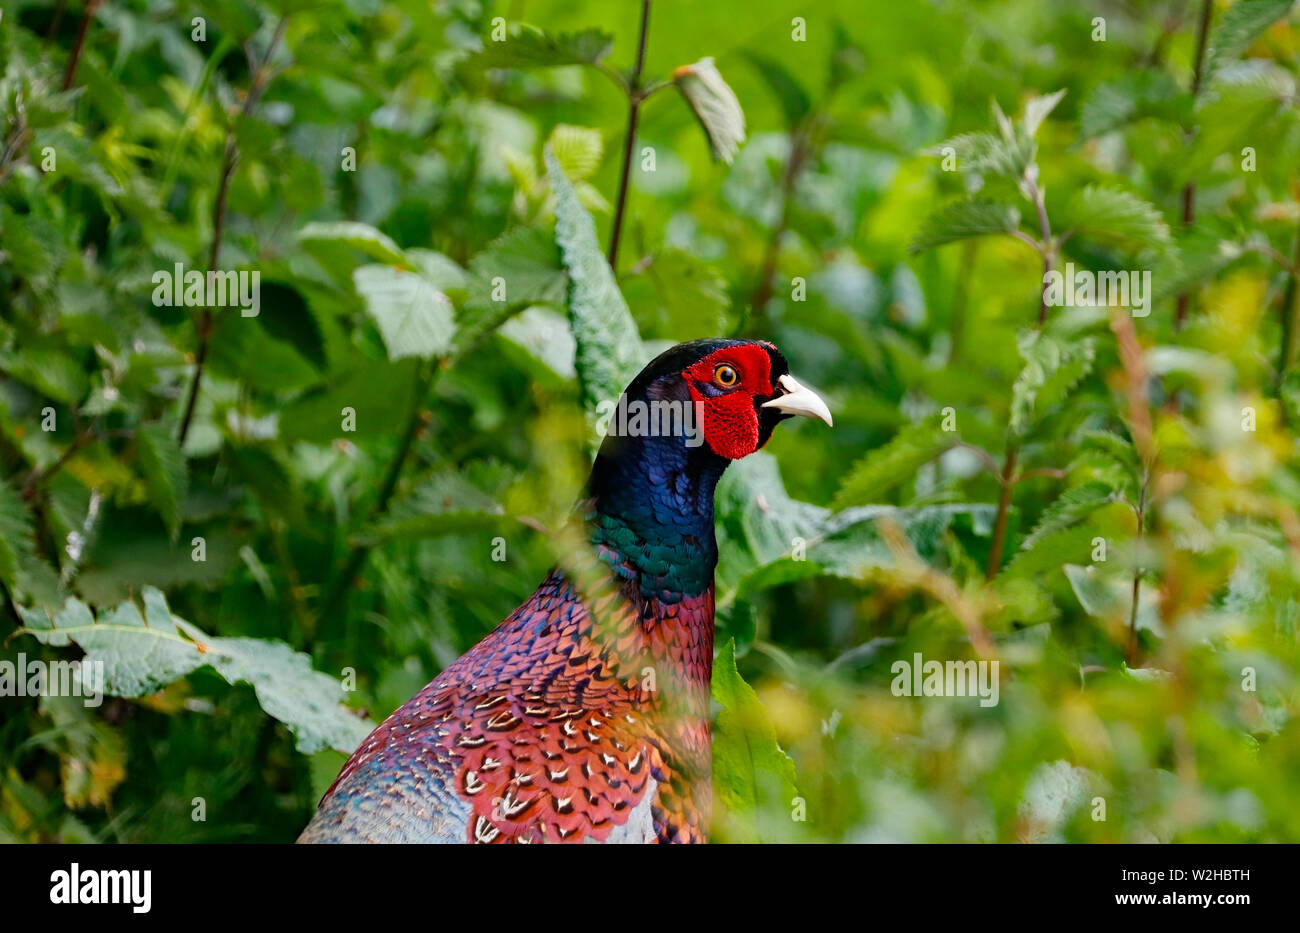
[(1111, 215), (444, 503), (578, 150), (715, 105), (165, 474), (361, 237), (882, 469), (789, 93), (1237, 29), (15, 534), (1052, 370), (986, 153), (141, 654), (1037, 109), (530, 47), (962, 220), (1148, 93), (414, 318), (609, 351), (1072, 507), (752, 776)]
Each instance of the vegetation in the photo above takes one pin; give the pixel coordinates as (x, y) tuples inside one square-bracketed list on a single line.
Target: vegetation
[(272, 528)]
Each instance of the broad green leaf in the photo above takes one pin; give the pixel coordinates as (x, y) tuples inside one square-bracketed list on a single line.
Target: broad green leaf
[(165, 474), (1052, 370), (361, 237), (1237, 28), (752, 776), (987, 154), (529, 47), (1108, 596), (141, 654), (1111, 215), (609, 351), (1037, 109), (715, 105), (894, 463), (414, 318), (1148, 93), (962, 220), (15, 534)]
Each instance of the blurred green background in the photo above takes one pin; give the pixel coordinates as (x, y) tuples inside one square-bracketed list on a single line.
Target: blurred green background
[(1148, 683)]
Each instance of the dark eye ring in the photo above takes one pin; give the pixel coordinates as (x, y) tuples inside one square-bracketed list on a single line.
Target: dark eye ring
[(725, 375)]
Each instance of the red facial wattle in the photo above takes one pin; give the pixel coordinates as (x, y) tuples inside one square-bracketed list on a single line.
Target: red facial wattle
[(730, 418)]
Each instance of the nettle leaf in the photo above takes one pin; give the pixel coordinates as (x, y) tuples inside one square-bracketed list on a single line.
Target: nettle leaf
[(1052, 370), (1148, 93), (165, 473), (1239, 26), (715, 105), (1111, 215), (444, 503), (609, 349), (894, 463), (141, 654), (530, 47), (414, 318), (1073, 506), (962, 220), (752, 775), (1110, 596), (578, 149), (16, 543), (979, 154), (358, 236), (1037, 109)]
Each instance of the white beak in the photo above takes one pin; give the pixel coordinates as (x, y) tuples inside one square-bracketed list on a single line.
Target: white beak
[(799, 400)]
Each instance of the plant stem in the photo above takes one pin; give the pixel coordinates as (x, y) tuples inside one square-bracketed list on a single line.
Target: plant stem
[(634, 100), (1131, 653), (1004, 507), (229, 159), (70, 75), (1290, 310), (37, 477), (357, 558), (1189, 190), (799, 151)]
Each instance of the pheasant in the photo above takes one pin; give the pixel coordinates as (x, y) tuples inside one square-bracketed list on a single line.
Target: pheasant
[(584, 716)]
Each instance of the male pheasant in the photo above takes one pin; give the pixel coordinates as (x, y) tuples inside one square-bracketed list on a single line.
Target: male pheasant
[(584, 716)]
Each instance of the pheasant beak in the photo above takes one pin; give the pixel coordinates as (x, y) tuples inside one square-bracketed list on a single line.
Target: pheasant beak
[(799, 400)]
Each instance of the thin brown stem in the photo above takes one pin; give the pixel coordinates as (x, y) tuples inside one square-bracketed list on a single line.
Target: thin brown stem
[(1004, 507), (229, 160), (1189, 190), (1131, 653), (37, 477), (634, 100), (70, 74)]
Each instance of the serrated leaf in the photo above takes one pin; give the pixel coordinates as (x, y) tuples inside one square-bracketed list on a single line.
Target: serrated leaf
[(414, 318), (520, 268), (1037, 109), (362, 237), (962, 220), (1071, 507), (1237, 28), (609, 352), (579, 150), (715, 105), (986, 153), (1148, 93), (530, 47), (751, 773), (15, 534), (1111, 215), (165, 473), (880, 470), (1052, 369), (140, 654)]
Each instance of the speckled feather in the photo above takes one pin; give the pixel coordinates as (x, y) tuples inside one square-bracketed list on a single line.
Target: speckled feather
[(584, 716)]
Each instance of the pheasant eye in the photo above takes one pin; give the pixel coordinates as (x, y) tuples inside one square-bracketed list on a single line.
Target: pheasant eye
[(726, 376)]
